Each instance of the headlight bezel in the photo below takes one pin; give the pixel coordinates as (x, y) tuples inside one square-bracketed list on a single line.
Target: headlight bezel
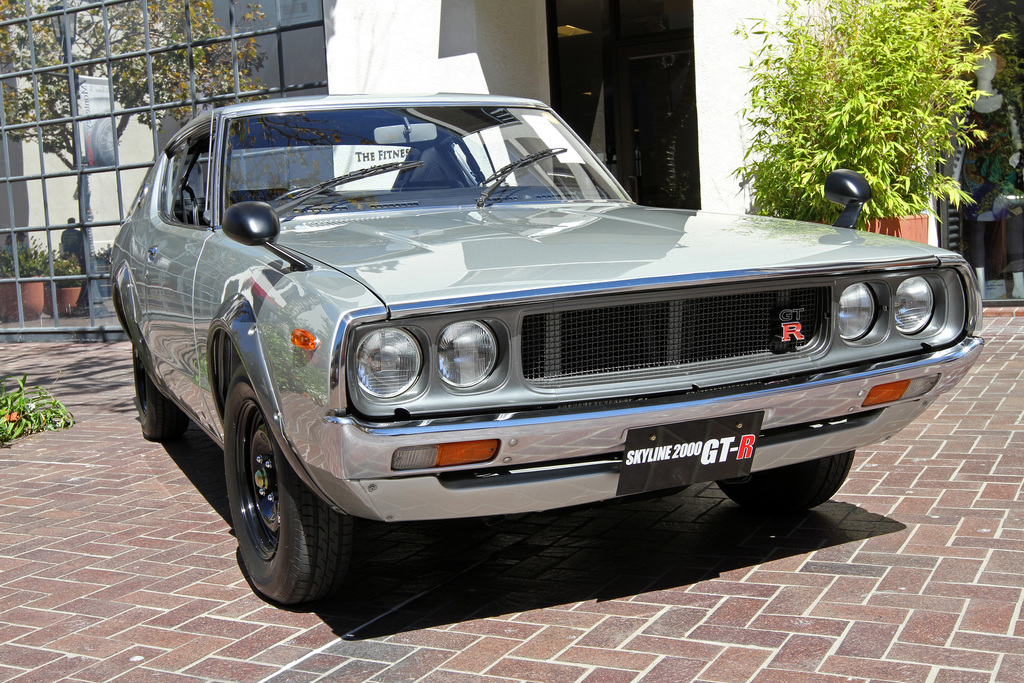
[(407, 386), (439, 360), (429, 383), (926, 320), (886, 327), (872, 321)]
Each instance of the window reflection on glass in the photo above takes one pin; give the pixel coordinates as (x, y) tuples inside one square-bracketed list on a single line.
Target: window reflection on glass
[(71, 62), (646, 17)]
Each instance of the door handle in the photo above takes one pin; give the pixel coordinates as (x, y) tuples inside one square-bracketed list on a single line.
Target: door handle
[(152, 253)]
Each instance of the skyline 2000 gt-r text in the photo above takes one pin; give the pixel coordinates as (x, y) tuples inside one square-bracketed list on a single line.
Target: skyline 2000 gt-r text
[(435, 307)]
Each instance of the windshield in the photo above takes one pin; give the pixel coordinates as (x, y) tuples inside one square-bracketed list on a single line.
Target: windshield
[(319, 161)]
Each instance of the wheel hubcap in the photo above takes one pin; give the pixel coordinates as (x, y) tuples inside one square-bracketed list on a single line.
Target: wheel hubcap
[(264, 481)]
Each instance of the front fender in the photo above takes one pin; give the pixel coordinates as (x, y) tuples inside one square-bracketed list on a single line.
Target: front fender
[(235, 341)]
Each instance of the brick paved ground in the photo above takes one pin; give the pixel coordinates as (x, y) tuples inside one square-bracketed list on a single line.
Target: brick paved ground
[(116, 563)]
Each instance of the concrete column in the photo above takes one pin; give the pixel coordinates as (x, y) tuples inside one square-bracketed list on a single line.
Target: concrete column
[(723, 87), (428, 46)]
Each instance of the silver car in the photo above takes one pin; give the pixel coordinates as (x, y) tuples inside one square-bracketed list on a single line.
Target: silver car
[(434, 307)]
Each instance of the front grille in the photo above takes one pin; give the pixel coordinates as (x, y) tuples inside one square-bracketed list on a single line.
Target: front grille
[(675, 335)]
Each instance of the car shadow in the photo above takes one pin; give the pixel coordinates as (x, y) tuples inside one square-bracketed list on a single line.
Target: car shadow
[(414, 575), (202, 462), (417, 575)]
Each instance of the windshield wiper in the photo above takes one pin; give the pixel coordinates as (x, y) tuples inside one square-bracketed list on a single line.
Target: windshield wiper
[(304, 193), (508, 169)]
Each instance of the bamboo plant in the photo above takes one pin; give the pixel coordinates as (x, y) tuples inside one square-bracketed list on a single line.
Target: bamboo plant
[(876, 86)]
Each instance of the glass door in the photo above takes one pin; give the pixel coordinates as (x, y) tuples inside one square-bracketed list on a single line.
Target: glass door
[(657, 113)]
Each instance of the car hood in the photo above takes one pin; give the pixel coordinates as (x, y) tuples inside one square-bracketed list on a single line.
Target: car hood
[(412, 259)]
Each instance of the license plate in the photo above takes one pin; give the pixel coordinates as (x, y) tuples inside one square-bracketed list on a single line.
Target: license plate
[(673, 455)]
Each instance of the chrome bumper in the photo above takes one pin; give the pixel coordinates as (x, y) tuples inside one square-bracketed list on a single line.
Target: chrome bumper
[(805, 418)]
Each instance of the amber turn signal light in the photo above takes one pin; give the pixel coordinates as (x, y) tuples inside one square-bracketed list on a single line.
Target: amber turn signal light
[(886, 393), (444, 455), (466, 452), (305, 340)]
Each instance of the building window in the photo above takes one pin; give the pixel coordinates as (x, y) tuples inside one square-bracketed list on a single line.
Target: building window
[(91, 91)]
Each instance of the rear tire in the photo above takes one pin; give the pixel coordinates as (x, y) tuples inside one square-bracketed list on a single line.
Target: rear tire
[(791, 488), (293, 546), (160, 417)]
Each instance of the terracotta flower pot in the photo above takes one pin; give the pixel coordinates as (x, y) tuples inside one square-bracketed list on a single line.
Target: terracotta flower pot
[(908, 227), (32, 296), (67, 299)]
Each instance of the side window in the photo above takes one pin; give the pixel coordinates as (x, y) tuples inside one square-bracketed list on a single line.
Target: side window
[(184, 185)]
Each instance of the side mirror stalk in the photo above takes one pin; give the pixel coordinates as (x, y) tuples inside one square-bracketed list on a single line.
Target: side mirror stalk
[(257, 224), (291, 259)]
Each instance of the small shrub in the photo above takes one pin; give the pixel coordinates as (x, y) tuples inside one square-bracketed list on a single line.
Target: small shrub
[(870, 85), (26, 410), (65, 265), (32, 261)]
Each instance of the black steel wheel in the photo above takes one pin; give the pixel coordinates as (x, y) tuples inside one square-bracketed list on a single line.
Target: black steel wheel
[(792, 488), (257, 481), (293, 546), (160, 417)]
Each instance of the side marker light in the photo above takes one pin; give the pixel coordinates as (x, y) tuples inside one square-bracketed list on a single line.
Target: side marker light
[(305, 340)]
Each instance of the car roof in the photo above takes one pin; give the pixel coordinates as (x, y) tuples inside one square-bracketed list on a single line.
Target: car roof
[(329, 101), (286, 104)]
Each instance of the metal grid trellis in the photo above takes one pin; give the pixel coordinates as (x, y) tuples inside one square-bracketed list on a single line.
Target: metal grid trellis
[(221, 51)]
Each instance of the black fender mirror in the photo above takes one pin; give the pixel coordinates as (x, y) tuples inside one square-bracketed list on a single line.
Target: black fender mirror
[(256, 224), (850, 190), (251, 223)]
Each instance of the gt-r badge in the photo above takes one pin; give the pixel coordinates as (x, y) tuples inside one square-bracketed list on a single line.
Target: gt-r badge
[(790, 330)]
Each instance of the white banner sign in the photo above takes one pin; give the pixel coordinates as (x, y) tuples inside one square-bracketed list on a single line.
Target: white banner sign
[(96, 135)]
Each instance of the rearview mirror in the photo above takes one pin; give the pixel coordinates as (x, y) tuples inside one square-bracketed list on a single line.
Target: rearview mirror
[(405, 133)]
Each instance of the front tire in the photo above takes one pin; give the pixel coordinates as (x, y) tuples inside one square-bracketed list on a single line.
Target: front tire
[(294, 547), (792, 488), (160, 417)]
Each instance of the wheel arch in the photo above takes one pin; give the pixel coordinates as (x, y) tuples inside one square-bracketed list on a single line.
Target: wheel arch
[(125, 301), (234, 343)]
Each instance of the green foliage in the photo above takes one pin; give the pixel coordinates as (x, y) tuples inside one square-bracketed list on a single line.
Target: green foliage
[(32, 261), (26, 410), (870, 85), (65, 265)]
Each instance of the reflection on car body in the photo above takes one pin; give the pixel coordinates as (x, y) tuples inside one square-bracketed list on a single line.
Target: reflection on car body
[(433, 307)]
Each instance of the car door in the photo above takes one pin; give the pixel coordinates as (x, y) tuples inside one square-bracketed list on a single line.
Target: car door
[(171, 252)]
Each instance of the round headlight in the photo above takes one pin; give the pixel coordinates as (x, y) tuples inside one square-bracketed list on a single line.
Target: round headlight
[(914, 305), (466, 353), (856, 312), (387, 362)]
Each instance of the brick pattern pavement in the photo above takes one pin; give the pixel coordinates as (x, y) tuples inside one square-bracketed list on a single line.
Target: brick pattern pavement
[(116, 563)]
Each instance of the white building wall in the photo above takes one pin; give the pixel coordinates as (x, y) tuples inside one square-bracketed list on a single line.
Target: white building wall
[(429, 46), (723, 87), (500, 47)]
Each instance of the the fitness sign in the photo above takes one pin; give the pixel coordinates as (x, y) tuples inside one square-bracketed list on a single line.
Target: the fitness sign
[(689, 452)]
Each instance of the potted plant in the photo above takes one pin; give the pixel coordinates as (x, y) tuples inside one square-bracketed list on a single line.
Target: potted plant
[(67, 292), (31, 263), (876, 86)]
